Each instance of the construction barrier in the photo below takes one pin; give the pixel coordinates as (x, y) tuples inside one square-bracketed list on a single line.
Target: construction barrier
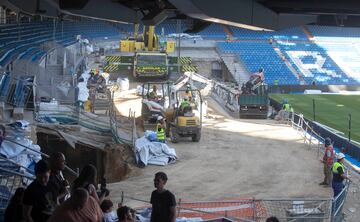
[(113, 59)]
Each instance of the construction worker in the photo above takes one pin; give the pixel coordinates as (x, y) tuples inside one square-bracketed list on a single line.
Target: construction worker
[(188, 94), (287, 107), (328, 161), (338, 170), (184, 104), (153, 94), (160, 129)]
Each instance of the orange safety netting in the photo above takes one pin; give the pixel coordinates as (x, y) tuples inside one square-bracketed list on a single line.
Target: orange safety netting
[(235, 209)]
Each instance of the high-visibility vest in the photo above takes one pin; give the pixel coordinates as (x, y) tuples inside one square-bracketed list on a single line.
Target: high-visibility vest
[(160, 132), (184, 104), (329, 160), (288, 107), (336, 166)]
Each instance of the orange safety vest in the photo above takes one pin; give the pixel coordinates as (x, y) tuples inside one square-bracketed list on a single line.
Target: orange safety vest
[(329, 160)]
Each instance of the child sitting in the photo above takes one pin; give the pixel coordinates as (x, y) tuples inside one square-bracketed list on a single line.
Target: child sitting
[(107, 208)]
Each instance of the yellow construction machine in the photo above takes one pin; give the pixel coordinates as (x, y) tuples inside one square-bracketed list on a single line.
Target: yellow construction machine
[(185, 121), (151, 51)]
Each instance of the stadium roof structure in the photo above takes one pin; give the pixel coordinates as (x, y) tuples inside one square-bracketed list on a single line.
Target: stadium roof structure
[(252, 14)]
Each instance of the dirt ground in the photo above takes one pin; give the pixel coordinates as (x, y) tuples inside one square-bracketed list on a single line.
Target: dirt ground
[(234, 159)]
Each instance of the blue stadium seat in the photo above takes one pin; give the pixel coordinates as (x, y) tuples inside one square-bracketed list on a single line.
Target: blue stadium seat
[(257, 55)]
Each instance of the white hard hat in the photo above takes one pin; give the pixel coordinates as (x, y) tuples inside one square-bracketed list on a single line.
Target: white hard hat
[(340, 156), (160, 118)]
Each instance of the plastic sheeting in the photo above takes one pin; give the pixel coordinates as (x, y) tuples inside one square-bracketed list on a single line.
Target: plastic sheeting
[(144, 215), (20, 154), (83, 90), (154, 153)]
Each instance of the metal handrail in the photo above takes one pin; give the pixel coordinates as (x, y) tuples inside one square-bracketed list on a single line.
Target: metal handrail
[(74, 173), (17, 173)]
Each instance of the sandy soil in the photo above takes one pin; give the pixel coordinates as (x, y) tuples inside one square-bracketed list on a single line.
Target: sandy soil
[(234, 159)]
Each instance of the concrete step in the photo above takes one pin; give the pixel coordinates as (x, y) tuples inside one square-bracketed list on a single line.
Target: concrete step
[(236, 68)]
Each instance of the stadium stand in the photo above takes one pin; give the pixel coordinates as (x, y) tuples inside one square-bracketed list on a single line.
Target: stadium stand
[(246, 34), (213, 31), (329, 32), (291, 34), (257, 55), (25, 40), (170, 27), (313, 62)]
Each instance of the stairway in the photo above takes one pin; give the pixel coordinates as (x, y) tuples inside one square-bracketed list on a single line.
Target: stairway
[(228, 32), (236, 68), (298, 75), (308, 33)]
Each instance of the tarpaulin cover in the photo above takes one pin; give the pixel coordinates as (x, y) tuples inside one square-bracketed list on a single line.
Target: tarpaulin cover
[(155, 153)]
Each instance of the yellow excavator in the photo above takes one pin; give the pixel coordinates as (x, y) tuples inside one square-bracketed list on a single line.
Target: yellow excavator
[(185, 118)]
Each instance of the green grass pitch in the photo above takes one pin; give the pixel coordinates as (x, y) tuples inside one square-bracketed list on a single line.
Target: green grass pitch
[(331, 110)]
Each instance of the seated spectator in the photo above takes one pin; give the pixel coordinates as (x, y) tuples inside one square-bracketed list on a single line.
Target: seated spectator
[(125, 214), (39, 200), (57, 181), (14, 209), (80, 207), (87, 179), (107, 209)]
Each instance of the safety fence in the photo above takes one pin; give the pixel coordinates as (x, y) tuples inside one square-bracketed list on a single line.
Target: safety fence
[(11, 180), (72, 115), (313, 139), (250, 209), (15, 91), (123, 129)]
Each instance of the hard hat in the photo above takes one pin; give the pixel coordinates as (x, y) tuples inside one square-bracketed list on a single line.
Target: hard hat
[(160, 118), (186, 98), (327, 141), (340, 156)]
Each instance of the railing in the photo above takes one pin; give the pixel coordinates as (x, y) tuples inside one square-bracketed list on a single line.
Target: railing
[(226, 96), (249, 209), (311, 138), (10, 181), (115, 125)]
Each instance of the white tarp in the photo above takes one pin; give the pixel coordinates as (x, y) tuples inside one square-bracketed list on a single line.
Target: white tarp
[(20, 154), (83, 90), (154, 153)]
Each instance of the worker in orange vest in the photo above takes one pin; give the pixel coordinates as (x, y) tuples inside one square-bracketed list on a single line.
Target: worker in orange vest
[(328, 161)]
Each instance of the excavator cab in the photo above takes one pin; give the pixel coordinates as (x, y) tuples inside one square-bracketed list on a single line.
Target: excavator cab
[(185, 120), (156, 99)]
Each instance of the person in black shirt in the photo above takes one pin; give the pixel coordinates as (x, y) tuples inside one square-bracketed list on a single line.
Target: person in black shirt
[(39, 200), (13, 210), (57, 182), (163, 201)]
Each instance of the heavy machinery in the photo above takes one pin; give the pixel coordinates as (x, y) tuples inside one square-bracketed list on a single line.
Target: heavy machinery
[(253, 100), (155, 105), (185, 122), (150, 64), (151, 52)]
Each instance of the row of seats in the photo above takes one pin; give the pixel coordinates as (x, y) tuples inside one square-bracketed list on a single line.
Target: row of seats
[(23, 41), (314, 63), (255, 55)]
